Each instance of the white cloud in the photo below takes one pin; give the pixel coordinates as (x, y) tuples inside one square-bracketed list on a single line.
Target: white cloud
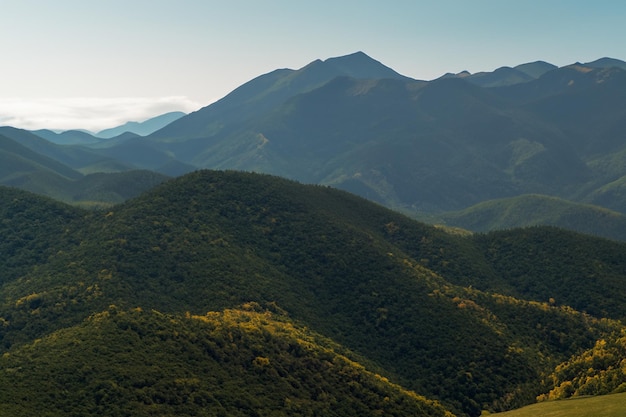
[(88, 113)]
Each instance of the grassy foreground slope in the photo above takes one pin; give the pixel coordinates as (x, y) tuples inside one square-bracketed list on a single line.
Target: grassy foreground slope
[(605, 406)]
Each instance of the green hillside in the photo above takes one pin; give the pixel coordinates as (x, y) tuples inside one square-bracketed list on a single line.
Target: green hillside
[(533, 209), (24, 168), (77, 158), (104, 189), (230, 363), (20, 164), (598, 371), (33, 228), (605, 406), (544, 264), (432, 312)]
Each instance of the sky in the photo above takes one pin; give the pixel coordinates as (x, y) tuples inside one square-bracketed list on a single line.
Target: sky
[(95, 64)]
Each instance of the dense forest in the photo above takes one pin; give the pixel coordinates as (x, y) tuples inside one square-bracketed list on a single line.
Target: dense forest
[(316, 301)]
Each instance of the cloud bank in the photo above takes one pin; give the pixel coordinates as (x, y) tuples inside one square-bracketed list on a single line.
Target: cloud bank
[(89, 113)]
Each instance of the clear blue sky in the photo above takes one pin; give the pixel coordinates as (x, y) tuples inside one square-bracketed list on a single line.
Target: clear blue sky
[(96, 63)]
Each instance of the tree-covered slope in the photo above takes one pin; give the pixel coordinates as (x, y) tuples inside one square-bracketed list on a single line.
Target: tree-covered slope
[(543, 263), (24, 168), (75, 157), (33, 228), (19, 164), (230, 363), (533, 209), (598, 371), (393, 291)]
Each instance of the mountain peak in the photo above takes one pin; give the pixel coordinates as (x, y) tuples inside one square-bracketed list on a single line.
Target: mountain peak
[(535, 69), (606, 62), (359, 55), (361, 65)]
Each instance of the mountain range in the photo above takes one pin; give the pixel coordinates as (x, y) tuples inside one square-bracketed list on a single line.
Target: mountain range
[(34, 164), (141, 128), (425, 148), (260, 256), (123, 132), (231, 293)]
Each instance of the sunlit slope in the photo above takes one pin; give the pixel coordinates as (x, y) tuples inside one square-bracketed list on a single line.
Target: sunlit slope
[(605, 406)]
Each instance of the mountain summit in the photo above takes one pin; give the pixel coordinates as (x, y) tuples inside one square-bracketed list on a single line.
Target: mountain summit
[(360, 65), (260, 95)]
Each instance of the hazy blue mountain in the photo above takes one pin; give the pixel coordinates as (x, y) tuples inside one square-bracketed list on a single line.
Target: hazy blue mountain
[(505, 76), (448, 144), (360, 65), (22, 161), (20, 167), (123, 153), (499, 77), (442, 138), (444, 145), (535, 69), (260, 95), (553, 84), (606, 63), (68, 137), (589, 108), (79, 158), (23, 167), (141, 128)]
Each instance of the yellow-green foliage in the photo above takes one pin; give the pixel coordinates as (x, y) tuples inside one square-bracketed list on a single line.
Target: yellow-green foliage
[(597, 371), (229, 363)]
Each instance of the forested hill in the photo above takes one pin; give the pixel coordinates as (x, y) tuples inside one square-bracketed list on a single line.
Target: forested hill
[(475, 322)]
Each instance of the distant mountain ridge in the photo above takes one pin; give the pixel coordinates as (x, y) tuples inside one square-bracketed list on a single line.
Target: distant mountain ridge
[(523, 73), (87, 138), (513, 213), (261, 94), (141, 128), (31, 163), (68, 137), (417, 146), (247, 139)]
